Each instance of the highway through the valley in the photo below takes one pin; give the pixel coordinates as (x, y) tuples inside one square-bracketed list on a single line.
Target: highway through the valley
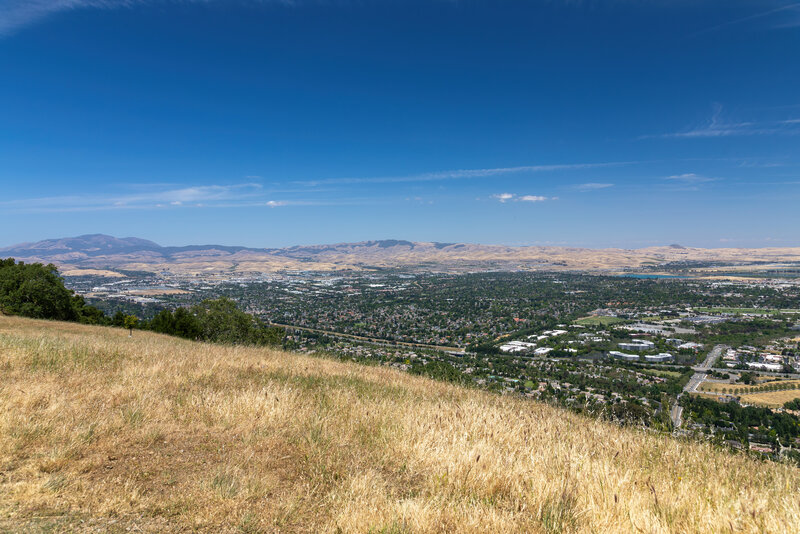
[(701, 373)]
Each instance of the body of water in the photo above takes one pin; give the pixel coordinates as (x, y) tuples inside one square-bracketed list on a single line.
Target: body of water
[(651, 276)]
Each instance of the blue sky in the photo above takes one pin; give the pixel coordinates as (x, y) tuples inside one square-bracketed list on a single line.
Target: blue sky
[(271, 123)]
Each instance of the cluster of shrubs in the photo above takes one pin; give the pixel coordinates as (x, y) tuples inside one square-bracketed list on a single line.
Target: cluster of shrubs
[(37, 291), (793, 404), (216, 320)]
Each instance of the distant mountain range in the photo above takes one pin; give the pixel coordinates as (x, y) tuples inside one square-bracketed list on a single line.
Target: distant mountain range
[(99, 251), (93, 245)]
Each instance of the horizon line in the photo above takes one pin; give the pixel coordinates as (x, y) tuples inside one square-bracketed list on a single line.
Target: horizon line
[(724, 244)]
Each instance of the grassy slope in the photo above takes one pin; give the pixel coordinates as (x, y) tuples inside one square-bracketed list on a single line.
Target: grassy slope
[(101, 431), (771, 399), (602, 320)]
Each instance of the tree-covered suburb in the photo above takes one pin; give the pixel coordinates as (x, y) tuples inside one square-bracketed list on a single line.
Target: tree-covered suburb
[(744, 423)]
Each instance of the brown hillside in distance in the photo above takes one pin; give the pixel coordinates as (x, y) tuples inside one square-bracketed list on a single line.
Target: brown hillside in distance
[(99, 252)]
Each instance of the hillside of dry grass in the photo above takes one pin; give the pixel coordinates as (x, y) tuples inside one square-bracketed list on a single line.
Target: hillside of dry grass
[(94, 253), (102, 432)]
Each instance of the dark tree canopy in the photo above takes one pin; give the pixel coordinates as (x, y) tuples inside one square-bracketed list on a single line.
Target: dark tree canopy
[(217, 320), (36, 290), (179, 323), (793, 404)]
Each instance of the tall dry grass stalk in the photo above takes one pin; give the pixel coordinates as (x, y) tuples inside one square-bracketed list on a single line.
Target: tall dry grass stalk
[(101, 432)]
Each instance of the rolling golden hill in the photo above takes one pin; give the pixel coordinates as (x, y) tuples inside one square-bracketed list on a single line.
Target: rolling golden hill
[(104, 432), (90, 253)]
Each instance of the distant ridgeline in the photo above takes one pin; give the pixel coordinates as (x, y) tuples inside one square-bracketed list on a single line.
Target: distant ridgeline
[(37, 291)]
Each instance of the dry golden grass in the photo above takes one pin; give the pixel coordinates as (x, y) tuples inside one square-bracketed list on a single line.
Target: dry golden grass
[(91, 272), (365, 255), (717, 387), (102, 432), (157, 291), (771, 398)]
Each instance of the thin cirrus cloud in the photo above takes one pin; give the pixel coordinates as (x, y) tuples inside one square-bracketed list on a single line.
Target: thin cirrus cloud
[(462, 174), (785, 16), (235, 195), (16, 14), (716, 126), (512, 197), (723, 129), (591, 186), (687, 182), (690, 178)]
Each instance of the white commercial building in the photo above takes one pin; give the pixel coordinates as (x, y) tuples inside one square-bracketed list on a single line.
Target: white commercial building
[(639, 345), (647, 329), (661, 357), (773, 367), (517, 346), (622, 356), (554, 332)]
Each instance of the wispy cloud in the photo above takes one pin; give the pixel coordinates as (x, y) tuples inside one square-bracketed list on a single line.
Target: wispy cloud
[(737, 129), (690, 178), (512, 197), (461, 174), (717, 127), (16, 14), (726, 130), (591, 186), (152, 198), (160, 197), (785, 16), (687, 182)]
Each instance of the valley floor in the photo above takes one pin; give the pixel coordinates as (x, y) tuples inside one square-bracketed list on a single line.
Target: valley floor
[(104, 432)]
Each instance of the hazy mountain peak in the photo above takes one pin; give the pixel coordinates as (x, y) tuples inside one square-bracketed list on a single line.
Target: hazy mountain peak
[(84, 244)]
